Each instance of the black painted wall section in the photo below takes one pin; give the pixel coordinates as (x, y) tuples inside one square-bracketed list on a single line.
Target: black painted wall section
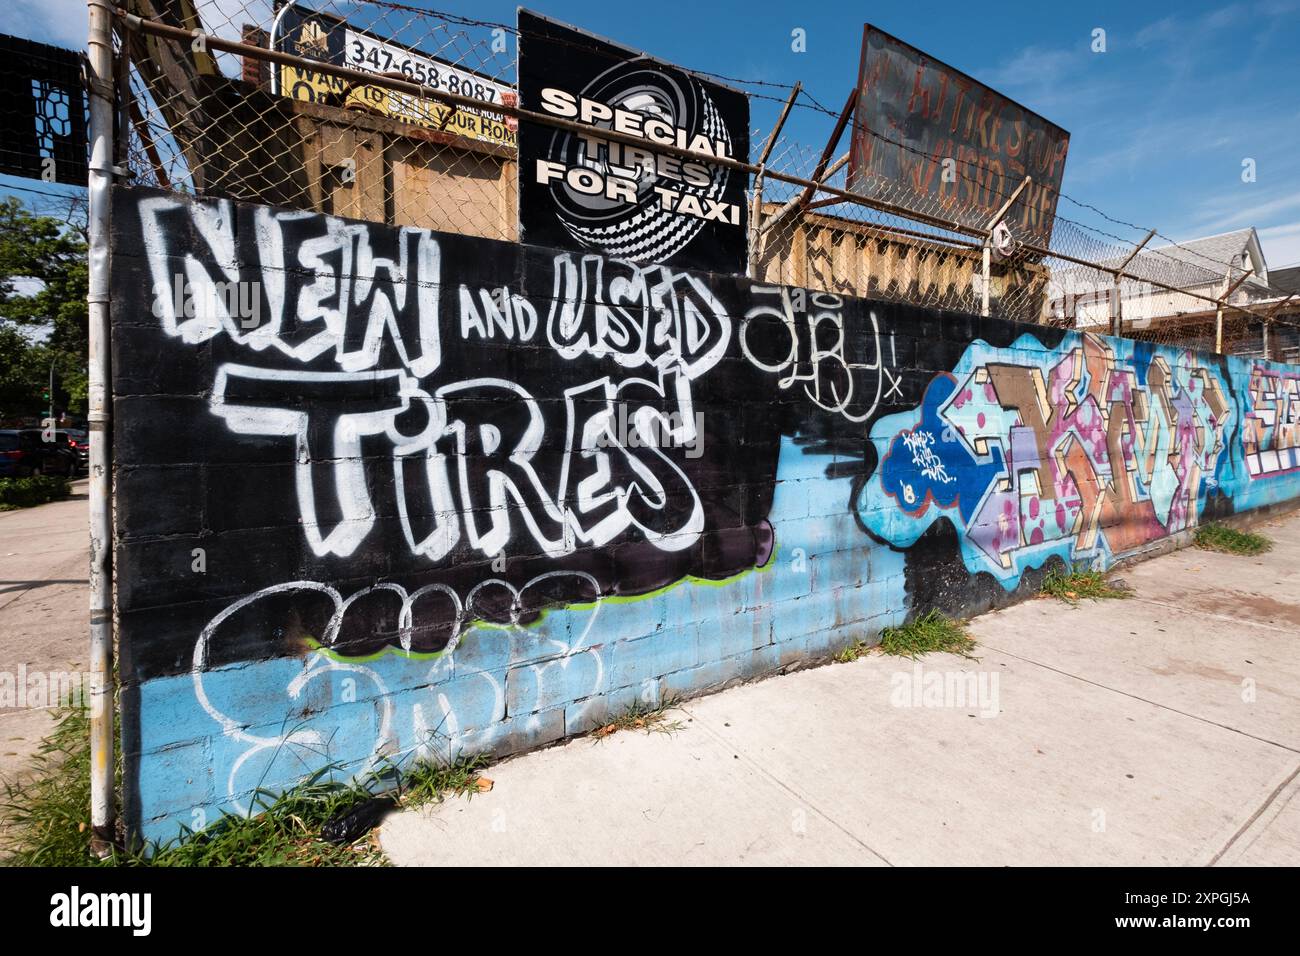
[(417, 359)]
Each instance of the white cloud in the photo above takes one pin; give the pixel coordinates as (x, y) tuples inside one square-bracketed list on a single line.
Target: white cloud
[(1035, 65), (1281, 245), (1176, 36), (1161, 29), (1051, 81), (1228, 211)]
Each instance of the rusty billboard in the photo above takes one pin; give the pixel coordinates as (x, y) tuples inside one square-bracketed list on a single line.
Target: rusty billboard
[(928, 137)]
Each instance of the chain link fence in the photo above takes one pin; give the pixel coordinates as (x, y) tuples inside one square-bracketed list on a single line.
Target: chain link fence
[(196, 117)]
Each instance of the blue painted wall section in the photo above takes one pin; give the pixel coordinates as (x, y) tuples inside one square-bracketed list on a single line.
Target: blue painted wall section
[(386, 495)]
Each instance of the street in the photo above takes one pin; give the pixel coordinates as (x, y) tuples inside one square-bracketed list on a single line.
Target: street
[(44, 611)]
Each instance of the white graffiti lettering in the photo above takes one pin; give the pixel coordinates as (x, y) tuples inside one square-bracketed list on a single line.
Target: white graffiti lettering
[(921, 445), (324, 290), (809, 346)]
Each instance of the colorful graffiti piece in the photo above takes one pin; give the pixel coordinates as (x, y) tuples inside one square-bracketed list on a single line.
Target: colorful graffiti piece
[(1070, 452), (1270, 436)]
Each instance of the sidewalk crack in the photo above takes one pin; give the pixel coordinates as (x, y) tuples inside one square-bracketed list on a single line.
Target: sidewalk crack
[(1268, 801), (1213, 614), (1145, 700)]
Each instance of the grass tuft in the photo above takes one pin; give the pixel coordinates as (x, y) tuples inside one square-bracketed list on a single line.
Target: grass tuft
[(433, 782), (46, 816), (640, 717), (285, 832), (1218, 537), (851, 653), (1074, 586), (927, 634)]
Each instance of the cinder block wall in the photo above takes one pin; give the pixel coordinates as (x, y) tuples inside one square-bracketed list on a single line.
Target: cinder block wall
[(385, 495)]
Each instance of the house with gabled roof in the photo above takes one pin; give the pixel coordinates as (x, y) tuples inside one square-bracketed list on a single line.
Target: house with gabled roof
[(1080, 297), (1199, 271)]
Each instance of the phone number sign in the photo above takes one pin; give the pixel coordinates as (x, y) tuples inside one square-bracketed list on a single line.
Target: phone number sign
[(322, 37)]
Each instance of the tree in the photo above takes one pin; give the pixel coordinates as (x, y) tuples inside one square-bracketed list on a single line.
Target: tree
[(43, 316)]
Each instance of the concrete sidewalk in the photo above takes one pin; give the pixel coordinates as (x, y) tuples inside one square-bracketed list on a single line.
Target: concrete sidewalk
[(44, 610), (1160, 730)]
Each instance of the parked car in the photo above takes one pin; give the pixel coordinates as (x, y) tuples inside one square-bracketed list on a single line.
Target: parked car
[(24, 453), (10, 454), (79, 441)]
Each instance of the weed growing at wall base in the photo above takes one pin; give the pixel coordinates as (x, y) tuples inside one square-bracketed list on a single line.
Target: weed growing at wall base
[(284, 832), (430, 782), (642, 717), (930, 633), (851, 653), (45, 817), (1217, 537), (1073, 586)]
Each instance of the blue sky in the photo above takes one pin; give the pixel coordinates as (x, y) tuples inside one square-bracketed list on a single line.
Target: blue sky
[(1160, 122)]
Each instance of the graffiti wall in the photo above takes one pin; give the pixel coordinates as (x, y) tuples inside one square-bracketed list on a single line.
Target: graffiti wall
[(386, 495)]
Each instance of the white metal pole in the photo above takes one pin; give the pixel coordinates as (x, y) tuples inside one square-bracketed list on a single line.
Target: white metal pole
[(984, 280), (275, 29), (100, 48), (1117, 308)]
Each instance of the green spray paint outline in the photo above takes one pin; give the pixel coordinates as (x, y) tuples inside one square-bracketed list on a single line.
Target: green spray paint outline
[(478, 624)]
